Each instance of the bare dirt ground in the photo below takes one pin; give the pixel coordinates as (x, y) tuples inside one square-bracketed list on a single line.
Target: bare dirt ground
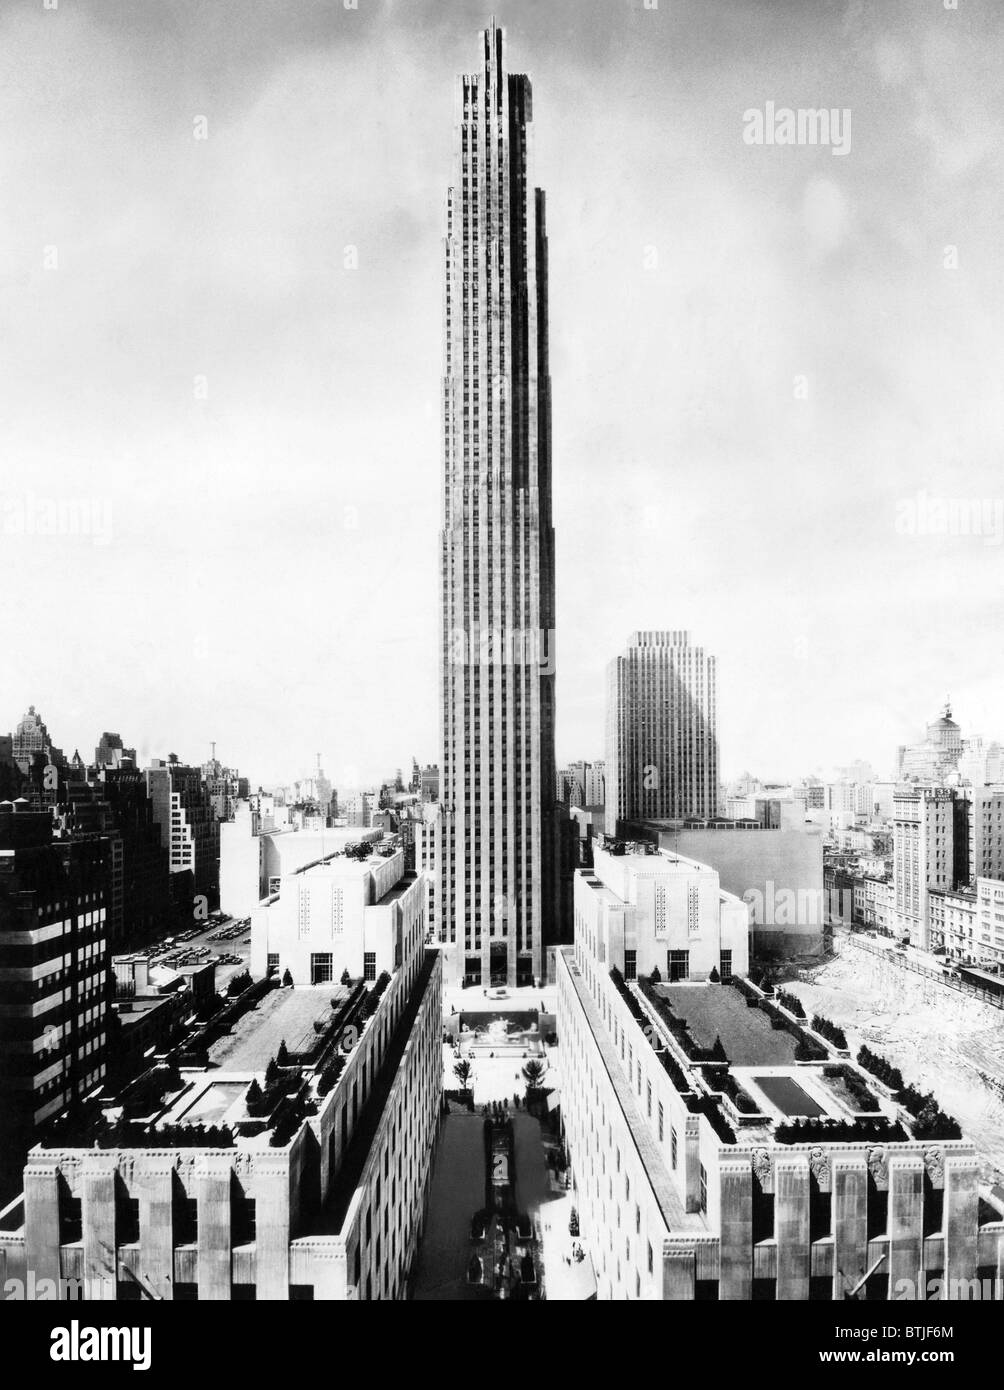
[(940, 1040)]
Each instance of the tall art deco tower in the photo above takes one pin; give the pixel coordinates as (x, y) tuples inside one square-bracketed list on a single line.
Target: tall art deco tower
[(495, 891)]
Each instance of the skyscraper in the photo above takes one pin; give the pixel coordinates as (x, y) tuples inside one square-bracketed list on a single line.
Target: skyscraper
[(495, 895), (662, 743)]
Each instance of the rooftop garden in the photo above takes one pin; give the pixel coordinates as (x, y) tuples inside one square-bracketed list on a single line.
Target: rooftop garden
[(828, 1131), (928, 1120)]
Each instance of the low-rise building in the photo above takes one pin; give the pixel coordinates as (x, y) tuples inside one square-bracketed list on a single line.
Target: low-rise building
[(294, 1172), (659, 911), (777, 872), (716, 1156), (255, 852), (873, 901), (951, 922), (340, 913)]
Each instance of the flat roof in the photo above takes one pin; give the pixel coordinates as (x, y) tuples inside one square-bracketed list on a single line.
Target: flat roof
[(711, 1011), (282, 1015)]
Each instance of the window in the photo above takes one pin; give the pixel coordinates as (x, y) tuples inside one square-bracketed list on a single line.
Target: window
[(630, 965), (704, 1189), (273, 962), (725, 968), (70, 1219), (679, 965), (662, 1120), (672, 1145), (243, 1218), (320, 968), (369, 965), (186, 1221)]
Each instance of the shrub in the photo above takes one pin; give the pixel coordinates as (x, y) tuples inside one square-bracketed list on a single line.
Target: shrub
[(791, 1002), (933, 1123), (878, 1130), (287, 979), (239, 983), (330, 1074), (714, 978), (739, 1097), (829, 1030), (879, 1066), (655, 977)]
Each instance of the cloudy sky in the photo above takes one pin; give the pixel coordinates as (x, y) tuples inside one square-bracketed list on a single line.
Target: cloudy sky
[(769, 372)]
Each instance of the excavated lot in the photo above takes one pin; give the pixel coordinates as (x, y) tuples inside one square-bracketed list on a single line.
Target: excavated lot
[(942, 1041)]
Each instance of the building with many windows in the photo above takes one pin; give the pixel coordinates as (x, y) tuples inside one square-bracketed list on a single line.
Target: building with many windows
[(930, 852), (496, 896), (53, 973), (188, 828), (986, 832), (661, 736)]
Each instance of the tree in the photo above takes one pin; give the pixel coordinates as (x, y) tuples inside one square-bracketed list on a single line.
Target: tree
[(714, 977), (532, 1072), (718, 1051), (287, 979), (271, 1073), (462, 1071), (655, 977), (346, 977), (282, 1056), (253, 1097)]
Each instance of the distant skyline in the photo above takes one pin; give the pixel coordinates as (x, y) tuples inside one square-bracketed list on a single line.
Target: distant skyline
[(223, 355)]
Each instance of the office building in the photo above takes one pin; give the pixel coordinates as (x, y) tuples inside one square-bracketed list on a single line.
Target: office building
[(53, 973), (662, 744), (496, 900), (930, 851), (188, 830)]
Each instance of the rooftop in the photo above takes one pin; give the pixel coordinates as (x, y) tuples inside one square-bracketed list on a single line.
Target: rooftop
[(283, 1015), (712, 1011)]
